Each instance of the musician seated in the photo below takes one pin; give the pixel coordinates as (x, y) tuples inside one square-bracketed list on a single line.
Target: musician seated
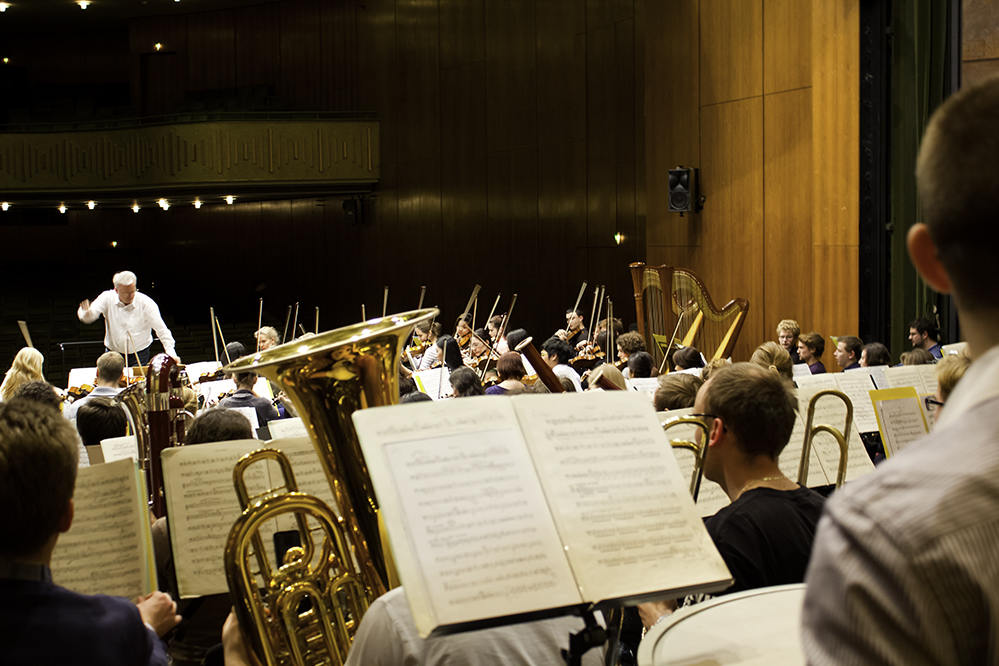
[(874, 353), (110, 370), (463, 330), (848, 351), (388, 637), (788, 331), (810, 348), (765, 535), (100, 419), (606, 377), (477, 347), (41, 392), (511, 372), (513, 339), (493, 327), (415, 396), (627, 344), (40, 622), (427, 333), (465, 382), (640, 366), (916, 356), (924, 334), (449, 352), (950, 369), (266, 337), (686, 358), (556, 353), (245, 397), (676, 391), (574, 332), (201, 629), (26, 367), (774, 357)]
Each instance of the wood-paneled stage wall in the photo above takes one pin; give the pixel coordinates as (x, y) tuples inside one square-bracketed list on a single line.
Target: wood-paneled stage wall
[(512, 153), (762, 96)]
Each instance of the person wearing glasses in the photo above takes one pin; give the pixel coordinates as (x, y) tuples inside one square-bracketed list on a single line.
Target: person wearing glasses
[(765, 534), (950, 369)]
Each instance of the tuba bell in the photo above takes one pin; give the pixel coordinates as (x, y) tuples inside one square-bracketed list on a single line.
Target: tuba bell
[(328, 377)]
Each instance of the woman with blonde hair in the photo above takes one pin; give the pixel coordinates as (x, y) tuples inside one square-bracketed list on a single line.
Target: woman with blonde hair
[(27, 367), (773, 356)]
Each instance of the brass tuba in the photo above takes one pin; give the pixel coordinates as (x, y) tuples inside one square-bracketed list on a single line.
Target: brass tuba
[(328, 377), (842, 437)]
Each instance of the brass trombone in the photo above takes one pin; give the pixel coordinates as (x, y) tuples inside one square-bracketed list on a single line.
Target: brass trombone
[(700, 451), (327, 377), (842, 437)]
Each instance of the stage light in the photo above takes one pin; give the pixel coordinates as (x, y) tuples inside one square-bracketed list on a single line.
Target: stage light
[(135, 206), (229, 199), (158, 46), (114, 243), (4, 205), (164, 204), (83, 3), (91, 204), (197, 202), (62, 208), (4, 6)]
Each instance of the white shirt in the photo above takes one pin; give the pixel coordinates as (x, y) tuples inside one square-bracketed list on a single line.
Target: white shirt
[(136, 318), (388, 637), (99, 392), (562, 370), (904, 567)]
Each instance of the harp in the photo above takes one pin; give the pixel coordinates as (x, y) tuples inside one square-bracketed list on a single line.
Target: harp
[(674, 309)]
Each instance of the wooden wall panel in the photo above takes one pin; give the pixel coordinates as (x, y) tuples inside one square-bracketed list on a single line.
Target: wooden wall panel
[(787, 45), (257, 46), (730, 256), (979, 41), (787, 159), (835, 289), (731, 52), (671, 113), (211, 51), (299, 54)]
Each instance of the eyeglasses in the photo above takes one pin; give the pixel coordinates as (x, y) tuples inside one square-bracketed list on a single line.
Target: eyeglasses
[(932, 404)]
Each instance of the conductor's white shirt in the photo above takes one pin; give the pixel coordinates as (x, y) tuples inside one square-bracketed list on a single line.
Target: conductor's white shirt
[(137, 318)]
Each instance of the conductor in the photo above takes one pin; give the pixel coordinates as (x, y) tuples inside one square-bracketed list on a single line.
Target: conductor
[(128, 316)]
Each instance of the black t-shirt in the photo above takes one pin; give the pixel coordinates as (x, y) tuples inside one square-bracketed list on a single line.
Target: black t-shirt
[(765, 536)]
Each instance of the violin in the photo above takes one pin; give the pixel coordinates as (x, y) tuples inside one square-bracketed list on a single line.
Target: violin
[(587, 359), (77, 392), (216, 376)]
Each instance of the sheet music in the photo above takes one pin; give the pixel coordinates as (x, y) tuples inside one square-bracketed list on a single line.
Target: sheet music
[(83, 459), (616, 493), (108, 549), (790, 457), (900, 417), (800, 370), (251, 415), (879, 375), (435, 383), (81, 376), (647, 385), (832, 412), (857, 385), (203, 506), (456, 479), (286, 428), (309, 474), (120, 448), (908, 375)]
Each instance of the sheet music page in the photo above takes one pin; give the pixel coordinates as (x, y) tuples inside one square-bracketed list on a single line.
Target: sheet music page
[(108, 549), (646, 385), (857, 384), (309, 474), (202, 507), (471, 532), (624, 512), (879, 376), (83, 459), (900, 418), (907, 375), (434, 383), (799, 370), (831, 411), (285, 428), (212, 390), (120, 448), (790, 457), (928, 373), (81, 376), (710, 497)]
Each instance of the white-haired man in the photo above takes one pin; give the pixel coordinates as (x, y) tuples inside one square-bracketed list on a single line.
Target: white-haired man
[(128, 318)]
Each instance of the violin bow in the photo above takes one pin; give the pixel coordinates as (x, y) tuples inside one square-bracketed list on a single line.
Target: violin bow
[(260, 320), (215, 340)]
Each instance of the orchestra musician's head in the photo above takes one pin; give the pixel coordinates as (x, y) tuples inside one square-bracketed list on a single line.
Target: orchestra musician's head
[(125, 284), (510, 366), (773, 357), (218, 425), (429, 331), (98, 419), (629, 343), (848, 350), (463, 326), (750, 414), (923, 333), (493, 327), (641, 365), (246, 380), (955, 246), (477, 345), (110, 368), (26, 367), (874, 353), (573, 319), (788, 331), (515, 337), (38, 459), (677, 390), (465, 382), (450, 352), (949, 371), (686, 358), (41, 392), (555, 351), (810, 347), (267, 337)]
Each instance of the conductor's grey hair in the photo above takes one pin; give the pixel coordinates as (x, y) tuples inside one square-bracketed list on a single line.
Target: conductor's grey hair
[(124, 279)]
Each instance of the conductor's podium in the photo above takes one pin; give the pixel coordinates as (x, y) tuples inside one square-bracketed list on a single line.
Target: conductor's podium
[(754, 627)]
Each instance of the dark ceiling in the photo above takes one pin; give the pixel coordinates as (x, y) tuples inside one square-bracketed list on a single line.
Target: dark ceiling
[(41, 15)]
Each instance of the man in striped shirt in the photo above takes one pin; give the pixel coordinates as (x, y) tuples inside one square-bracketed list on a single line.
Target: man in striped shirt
[(905, 567)]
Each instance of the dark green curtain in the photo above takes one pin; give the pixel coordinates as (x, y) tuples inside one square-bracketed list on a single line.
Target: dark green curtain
[(921, 56)]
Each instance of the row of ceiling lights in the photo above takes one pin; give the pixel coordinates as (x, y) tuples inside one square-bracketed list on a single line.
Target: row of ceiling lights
[(82, 4), (161, 202)]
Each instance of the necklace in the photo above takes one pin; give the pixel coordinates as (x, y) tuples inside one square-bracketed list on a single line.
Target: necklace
[(773, 477)]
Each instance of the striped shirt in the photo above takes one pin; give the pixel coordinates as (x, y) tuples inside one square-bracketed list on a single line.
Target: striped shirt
[(905, 567)]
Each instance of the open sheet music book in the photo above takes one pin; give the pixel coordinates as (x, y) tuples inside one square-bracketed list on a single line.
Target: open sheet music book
[(501, 510), (202, 504), (109, 547)]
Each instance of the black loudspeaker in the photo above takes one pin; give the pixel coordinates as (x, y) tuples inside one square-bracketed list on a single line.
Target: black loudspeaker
[(682, 196)]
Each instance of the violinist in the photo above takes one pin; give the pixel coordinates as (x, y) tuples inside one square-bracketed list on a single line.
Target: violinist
[(495, 328), (627, 344), (245, 397), (574, 331), (448, 352), (556, 353), (266, 337), (427, 334), (477, 348), (463, 331), (110, 369)]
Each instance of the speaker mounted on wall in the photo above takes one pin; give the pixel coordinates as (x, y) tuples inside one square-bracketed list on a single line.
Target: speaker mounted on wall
[(683, 195)]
